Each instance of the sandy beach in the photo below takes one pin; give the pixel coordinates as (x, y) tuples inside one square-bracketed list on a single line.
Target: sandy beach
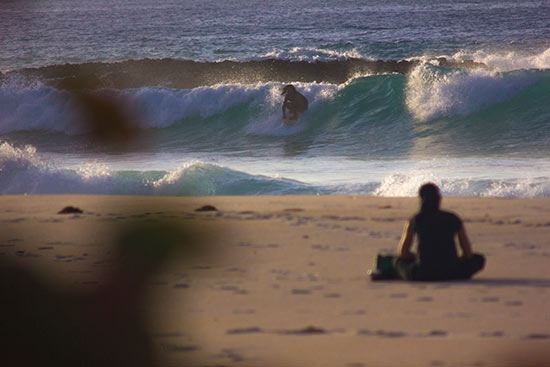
[(282, 280)]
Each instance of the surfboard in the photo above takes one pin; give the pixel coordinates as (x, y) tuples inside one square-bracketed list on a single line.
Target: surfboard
[(289, 121)]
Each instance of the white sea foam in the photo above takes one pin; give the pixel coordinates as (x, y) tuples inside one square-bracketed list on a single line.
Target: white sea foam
[(311, 54), (520, 188), (432, 93), (507, 61), (407, 185), (24, 171)]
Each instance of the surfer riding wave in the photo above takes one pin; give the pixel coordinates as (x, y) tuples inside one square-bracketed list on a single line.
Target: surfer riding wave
[(294, 102)]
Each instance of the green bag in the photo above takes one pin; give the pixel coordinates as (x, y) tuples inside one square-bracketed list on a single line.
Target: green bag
[(385, 267)]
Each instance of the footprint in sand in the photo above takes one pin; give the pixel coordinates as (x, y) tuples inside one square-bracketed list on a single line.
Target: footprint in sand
[(301, 291), (538, 336), (244, 312), (232, 355), (513, 303), (233, 288), (178, 348), (478, 364), (382, 333), (294, 210), (64, 258), (457, 315), (11, 243), (399, 295), (248, 330), (26, 254), (354, 312), (16, 220), (310, 330), (437, 333), (491, 334), (425, 299)]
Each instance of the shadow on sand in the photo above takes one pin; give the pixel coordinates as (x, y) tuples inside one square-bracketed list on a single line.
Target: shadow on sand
[(510, 282)]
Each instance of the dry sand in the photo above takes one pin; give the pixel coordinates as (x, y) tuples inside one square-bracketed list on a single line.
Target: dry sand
[(283, 280)]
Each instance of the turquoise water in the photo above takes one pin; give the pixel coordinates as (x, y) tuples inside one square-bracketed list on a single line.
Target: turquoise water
[(370, 129)]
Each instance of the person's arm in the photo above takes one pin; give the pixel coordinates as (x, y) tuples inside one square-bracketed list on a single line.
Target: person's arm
[(406, 242), (284, 107), (464, 243)]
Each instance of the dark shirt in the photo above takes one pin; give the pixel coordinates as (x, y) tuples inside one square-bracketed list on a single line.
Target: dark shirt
[(436, 244), (295, 103)]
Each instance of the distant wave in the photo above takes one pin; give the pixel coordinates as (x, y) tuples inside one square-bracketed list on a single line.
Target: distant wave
[(306, 65), (24, 171), (312, 54), (187, 74), (507, 61)]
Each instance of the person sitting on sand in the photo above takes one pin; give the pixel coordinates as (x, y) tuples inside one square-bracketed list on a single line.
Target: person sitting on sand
[(437, 254), (295, 102)]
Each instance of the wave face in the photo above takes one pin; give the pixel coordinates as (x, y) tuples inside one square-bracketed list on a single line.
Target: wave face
[(431, 110)]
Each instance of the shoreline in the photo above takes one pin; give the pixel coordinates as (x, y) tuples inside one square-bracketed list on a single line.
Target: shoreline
[(282, 280)]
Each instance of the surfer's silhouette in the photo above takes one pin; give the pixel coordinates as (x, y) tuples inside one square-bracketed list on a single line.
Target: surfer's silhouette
[(294, 102)]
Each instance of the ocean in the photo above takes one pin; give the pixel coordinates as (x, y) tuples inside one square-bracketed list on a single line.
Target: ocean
[(400, 93)]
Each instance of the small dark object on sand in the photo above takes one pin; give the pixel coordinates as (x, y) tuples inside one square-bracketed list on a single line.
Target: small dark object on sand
[(70, 210), (207, 208)]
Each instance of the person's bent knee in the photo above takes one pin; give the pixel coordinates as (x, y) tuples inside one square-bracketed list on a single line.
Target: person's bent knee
[(478, 261)]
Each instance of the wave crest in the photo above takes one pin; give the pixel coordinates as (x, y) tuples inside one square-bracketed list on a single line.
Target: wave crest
[(508, 61), (433, 92)]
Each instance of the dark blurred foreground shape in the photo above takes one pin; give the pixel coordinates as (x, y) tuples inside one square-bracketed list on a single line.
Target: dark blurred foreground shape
[(111, 119), (100, 325), (104, 324)]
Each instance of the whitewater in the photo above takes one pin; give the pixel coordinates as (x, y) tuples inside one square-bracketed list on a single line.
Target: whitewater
[(465, 107)]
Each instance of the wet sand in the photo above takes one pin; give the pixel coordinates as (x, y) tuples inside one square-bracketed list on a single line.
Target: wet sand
[(282, 280)]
